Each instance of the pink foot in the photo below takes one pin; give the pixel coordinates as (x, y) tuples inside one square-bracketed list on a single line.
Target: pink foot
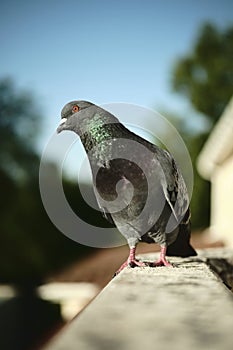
[(131, 261), (162, 261)]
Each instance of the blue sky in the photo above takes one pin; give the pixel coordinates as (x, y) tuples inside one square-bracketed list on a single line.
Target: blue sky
[(102, 51)]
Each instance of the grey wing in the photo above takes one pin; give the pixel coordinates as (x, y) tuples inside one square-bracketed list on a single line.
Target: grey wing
[(107, 216), (175, 191)]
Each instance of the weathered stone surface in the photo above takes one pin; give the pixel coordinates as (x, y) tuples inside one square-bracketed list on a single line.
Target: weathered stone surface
[(187, 307)]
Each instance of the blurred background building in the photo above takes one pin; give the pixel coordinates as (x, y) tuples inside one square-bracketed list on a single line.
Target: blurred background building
[(215, 163)]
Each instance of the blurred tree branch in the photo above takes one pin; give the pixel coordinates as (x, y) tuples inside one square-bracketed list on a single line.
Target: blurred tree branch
[(205, 75), (205, 78), (20, 123), (31, 247)]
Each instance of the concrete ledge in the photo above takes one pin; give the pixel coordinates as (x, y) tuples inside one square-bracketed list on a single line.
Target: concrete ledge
[(187, 307)]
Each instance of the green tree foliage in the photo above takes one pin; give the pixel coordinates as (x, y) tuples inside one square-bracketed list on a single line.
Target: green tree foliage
[(30, 245), (205, 75), (19, 124), (205, 78)]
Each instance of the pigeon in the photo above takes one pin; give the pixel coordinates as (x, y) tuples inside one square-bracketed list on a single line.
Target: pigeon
[(138, 185)]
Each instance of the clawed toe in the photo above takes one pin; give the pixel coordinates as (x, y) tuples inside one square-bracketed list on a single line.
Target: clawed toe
[(130, 263), (162, 262), (135, 262)]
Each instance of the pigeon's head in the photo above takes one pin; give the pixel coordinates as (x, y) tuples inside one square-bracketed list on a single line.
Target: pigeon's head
[(74, 114)]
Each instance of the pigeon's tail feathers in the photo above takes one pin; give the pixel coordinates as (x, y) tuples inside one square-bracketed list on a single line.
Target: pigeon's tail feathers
[(182, 247)]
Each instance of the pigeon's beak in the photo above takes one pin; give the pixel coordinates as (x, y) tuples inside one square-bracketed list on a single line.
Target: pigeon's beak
[(61, 125)]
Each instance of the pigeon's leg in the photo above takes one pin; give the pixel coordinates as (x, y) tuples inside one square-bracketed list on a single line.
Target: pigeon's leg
[(131, 261), (162, 261)]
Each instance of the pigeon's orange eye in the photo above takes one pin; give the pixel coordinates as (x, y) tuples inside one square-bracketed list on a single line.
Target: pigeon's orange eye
[(75, 109)]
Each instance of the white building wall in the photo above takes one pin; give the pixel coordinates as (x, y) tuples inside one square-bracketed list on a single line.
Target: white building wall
[(222, 202)]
